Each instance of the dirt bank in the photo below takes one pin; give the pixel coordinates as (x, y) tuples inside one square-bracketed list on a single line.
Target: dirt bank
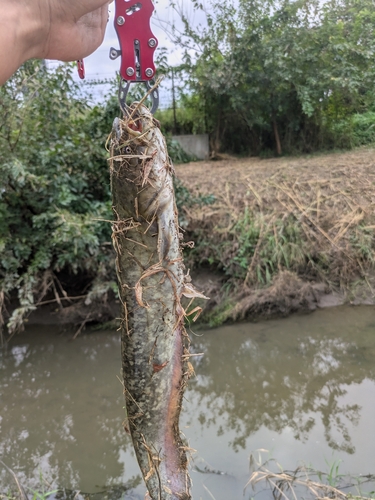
[(282, 235), (272, 237)]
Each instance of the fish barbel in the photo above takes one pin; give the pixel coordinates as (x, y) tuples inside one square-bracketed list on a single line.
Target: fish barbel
[(152, 281)]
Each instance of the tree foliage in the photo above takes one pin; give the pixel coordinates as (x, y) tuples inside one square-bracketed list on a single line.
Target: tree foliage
[(55, 200), (284, 75), (280, 74), (54, 189)]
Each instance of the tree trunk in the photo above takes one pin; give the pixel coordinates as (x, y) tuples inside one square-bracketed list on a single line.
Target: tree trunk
[(277, 137)]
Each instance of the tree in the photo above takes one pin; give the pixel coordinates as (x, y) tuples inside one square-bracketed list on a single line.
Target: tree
[(280, 73), (54, 189)]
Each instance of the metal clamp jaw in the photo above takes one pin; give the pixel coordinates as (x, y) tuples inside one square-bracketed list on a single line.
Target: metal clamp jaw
[(137, 47)]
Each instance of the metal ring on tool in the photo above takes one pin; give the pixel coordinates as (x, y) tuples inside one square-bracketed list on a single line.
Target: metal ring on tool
[(154, 96), (123, 93)]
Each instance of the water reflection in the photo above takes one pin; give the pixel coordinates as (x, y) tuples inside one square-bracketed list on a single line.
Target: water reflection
[(300, 385), (62, 408), (278, 379)]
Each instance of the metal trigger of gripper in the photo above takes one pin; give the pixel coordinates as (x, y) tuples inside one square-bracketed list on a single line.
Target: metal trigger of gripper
[(137, 47)]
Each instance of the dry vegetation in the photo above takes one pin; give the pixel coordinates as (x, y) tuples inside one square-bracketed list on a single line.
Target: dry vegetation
[(285, 231), (305, 482)]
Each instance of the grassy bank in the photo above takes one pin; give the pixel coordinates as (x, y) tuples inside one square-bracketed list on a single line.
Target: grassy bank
[(272, 237), (281, 233), (266, 476)]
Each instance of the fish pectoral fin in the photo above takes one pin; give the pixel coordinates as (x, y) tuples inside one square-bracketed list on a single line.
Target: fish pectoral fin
[(158, 368), (191, 292)]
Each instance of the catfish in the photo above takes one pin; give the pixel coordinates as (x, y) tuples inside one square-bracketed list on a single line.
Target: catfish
[(152, 281)]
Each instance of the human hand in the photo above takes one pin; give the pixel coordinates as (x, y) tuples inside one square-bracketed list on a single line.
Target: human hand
[(72, 29), (49, 29)]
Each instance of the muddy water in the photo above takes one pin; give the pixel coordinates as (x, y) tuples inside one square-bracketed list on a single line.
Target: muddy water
[(302, 388)]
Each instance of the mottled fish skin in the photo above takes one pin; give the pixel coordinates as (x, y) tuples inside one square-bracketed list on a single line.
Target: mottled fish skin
[(151, 276)]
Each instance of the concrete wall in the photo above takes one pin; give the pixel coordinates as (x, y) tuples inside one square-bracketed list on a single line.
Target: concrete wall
[(194, 145)]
